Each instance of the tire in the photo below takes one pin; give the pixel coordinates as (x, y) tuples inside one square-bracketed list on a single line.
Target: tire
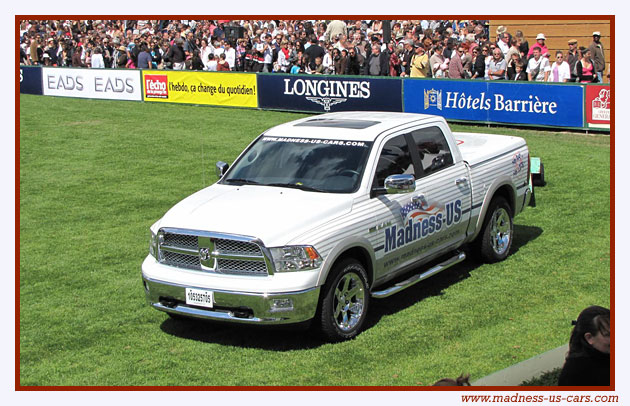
[(539, 179), (344, 305), (495, 239)]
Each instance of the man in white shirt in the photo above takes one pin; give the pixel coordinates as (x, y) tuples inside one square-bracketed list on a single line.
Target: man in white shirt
[(538, 67)]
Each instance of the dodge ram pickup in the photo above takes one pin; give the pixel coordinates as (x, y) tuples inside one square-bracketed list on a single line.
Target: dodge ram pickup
[(319, 216)]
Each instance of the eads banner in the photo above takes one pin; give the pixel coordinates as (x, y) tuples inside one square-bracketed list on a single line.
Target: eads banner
[(598, 103), (217, 89)]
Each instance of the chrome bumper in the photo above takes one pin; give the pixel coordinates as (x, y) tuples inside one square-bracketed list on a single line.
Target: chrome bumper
[(239, 307)]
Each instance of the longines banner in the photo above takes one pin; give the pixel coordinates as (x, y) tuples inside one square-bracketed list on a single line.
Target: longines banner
[(116, 84), (31, 79), (322, 94), (497, 101), (217, 89)]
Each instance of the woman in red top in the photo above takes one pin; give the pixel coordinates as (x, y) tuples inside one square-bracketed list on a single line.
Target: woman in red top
[(584, 67)]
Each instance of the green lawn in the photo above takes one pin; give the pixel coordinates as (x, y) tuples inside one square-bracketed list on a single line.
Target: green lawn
[(94, 175)]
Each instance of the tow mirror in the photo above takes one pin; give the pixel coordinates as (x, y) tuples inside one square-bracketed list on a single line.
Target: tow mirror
[(221, 168)]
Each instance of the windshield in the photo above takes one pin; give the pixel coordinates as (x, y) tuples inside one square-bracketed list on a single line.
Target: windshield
[(320, 165)]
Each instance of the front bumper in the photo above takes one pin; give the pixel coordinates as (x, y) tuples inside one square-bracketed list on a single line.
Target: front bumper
[(240, 307)]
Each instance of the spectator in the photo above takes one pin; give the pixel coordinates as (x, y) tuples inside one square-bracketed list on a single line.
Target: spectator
[(319, 66), (407, 54), (497, 67), (394, 60), (455, 66), (212, 65), (121, 58), (438, 63), (597, 53), (540, 43), (35, 50), (176, 54), (462, 380), (205, 51), (97, 59), (341, 64), (314, 51), (223, 65), (356, 63), (335, 29), (420, 63), (519, 73), (479, 64), (504, 44), (538, 66), (572, 58), (560, 71), (144, 58), (230, 55), (523, 45), (585, 68), (588, 361), (378, 62), (512, 64)]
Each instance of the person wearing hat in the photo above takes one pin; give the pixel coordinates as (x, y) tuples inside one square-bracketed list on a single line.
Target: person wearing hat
[(597, 54), (540, 42), (419, 63), (572, 58)]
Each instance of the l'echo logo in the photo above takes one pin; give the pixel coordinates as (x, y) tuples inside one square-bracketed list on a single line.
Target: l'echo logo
[(156, 86)]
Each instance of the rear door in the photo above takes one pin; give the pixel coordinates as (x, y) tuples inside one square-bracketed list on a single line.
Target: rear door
[(434, 218)]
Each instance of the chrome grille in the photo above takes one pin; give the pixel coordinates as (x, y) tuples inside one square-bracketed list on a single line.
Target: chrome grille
[(178, 248), (241, 267), (181, 260), (237, 247), (181, 240)]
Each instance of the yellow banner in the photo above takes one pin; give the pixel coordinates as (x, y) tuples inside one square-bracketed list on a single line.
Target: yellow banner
[(192, 87)]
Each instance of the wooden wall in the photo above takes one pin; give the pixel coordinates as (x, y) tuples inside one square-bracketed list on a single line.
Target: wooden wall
[(558, 32)]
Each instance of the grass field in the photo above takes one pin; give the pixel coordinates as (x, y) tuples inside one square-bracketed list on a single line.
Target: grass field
[(94, 175)]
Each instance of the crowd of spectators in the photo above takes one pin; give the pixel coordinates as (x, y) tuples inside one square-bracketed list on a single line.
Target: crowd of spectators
[(415, 48)]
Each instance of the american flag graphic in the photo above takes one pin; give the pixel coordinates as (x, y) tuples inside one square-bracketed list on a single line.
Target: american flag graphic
[(415, 211)]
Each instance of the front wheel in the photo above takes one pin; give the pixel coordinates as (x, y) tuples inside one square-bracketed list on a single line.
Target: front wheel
[(495, 239), (345, 302)]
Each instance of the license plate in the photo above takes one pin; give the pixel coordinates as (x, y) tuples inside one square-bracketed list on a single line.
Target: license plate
[(199, 297)]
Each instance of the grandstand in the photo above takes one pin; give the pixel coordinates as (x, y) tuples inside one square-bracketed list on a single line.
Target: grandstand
[(558, 32)]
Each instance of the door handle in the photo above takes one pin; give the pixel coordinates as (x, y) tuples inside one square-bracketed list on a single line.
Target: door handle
[(461, 181)]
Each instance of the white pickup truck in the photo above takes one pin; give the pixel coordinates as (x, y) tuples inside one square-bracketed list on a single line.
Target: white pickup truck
[(320, 215)]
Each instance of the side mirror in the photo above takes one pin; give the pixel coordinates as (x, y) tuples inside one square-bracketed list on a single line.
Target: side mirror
[(221, 168), (395, 184)]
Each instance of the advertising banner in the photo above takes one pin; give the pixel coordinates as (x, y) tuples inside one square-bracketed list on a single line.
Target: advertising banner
[(114, 84), (597, 106), (497, 101), (217, 89), (322, 94), (31, 79)]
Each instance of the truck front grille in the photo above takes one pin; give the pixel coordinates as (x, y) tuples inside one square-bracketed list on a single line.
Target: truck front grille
[(213, 252)]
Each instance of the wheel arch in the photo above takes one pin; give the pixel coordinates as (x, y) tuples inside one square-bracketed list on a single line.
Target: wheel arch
[(503, 188), (359, 249)]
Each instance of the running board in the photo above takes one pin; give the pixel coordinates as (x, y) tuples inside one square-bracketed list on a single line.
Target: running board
[(459, 257)]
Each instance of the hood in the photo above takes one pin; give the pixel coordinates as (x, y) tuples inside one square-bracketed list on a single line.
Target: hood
[(275, 215)]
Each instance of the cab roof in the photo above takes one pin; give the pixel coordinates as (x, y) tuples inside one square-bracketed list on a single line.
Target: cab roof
[(348, 125)]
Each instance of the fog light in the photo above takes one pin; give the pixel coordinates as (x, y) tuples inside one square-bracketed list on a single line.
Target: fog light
[(281, 305)]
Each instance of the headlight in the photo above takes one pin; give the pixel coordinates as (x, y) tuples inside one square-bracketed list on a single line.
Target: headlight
[(295, 258), (152, 244)]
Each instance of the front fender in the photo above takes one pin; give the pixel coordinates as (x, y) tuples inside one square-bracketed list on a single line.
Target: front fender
[(350, 246)]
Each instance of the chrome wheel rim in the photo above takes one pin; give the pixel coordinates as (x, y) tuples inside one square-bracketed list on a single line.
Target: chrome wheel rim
[(348, 302), (501, 231)]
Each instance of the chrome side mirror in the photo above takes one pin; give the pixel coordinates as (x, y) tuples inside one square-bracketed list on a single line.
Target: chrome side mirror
[(221, 168), (395, 184)]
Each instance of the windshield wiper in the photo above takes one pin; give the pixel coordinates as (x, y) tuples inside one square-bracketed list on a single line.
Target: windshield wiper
[(296, 186), (242, 181)]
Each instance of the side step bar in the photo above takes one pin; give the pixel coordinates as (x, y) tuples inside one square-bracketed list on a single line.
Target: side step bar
[(380, 294)]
